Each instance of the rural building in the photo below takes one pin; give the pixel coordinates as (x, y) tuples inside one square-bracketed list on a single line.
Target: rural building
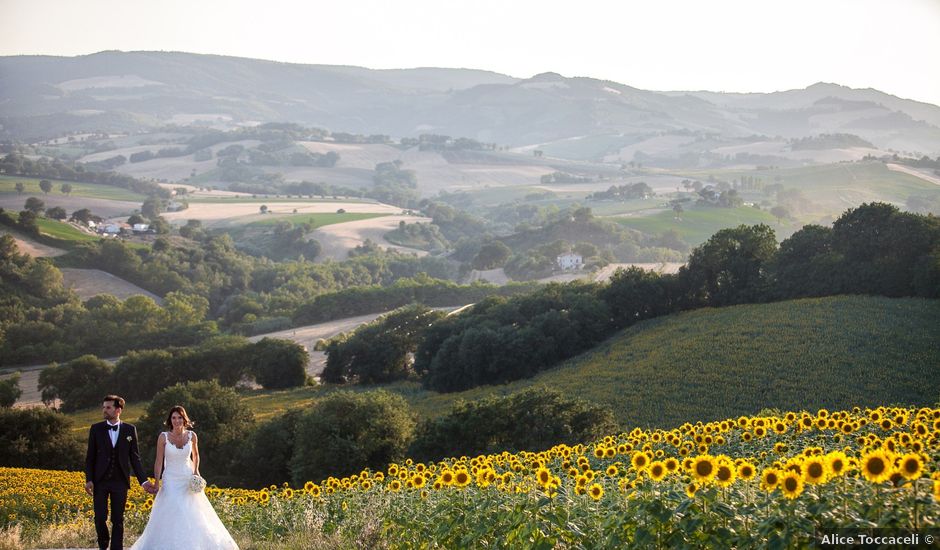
[(570, 261)]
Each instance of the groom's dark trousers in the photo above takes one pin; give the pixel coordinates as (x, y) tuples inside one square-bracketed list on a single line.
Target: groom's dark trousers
[(109, 467)]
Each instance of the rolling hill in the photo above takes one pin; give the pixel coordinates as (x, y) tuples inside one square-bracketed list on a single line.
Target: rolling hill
[(710, 364), (835, 352), (130, 91)]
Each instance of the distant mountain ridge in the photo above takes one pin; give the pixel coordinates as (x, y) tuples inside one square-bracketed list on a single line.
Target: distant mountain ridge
[(42, 96)]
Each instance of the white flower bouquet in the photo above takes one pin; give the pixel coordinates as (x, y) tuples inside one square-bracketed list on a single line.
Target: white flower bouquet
[(197, 484)]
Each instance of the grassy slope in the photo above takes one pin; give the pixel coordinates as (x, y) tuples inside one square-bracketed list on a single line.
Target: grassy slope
[(708, 364), (696, 225), (79, 189)]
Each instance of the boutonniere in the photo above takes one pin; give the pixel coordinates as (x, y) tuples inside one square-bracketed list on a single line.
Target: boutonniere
[(129, 438)]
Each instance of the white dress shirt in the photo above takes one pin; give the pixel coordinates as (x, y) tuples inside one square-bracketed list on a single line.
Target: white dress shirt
[(113, 434)]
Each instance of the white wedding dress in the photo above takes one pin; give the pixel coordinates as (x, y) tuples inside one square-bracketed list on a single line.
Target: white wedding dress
[(182, 519)]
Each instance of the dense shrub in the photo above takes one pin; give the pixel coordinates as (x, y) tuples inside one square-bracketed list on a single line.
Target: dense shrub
[(279, 363), (38, 438), (264, 457), (529, 420), (345, 432)]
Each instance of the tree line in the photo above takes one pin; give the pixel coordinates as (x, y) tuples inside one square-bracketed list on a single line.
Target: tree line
[(872, 249)]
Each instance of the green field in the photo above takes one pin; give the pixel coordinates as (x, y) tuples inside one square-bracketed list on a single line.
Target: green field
[(697, 224), (79, 189), (316, 220), (835, 352), (62, 231)]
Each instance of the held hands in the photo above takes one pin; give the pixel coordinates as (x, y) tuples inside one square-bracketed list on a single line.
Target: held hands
[(151, 488), (90, 488)]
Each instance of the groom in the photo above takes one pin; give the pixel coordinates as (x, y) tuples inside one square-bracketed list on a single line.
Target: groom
[(112, 452)]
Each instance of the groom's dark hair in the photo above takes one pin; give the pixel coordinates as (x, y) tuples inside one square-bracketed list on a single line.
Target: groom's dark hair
[(117, 401)]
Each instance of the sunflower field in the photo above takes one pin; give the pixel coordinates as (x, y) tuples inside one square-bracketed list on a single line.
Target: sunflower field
[(748, 482)]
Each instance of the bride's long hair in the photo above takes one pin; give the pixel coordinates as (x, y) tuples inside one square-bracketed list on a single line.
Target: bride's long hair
[(187, 423)]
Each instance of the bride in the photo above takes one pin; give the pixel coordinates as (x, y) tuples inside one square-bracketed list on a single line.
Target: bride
[(181, 518)]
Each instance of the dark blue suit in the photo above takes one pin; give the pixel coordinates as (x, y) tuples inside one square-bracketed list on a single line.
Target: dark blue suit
[(109, 467)]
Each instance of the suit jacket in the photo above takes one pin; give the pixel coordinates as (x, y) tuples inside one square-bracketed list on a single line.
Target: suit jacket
[(99, 453)]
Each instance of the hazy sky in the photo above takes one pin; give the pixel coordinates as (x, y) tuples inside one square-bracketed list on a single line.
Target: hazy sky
[(720, 45)]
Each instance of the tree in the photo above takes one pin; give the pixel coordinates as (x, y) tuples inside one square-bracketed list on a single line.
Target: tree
[(152, 207), (35, 205), (67, 188), (56, 213), (492, 254), (10, 391), (135, 219), (77, 383), (779, 212), (264, 457), (45, 186), (345, 432), (379, 352), (731, 267), (38, 438), (83, 215), (532, 420), (263, 208), (27, 222), (677, 208), (220, 419), (279, 363), (20, 187)]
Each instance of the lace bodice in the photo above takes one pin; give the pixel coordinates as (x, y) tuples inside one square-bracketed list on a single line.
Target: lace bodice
[(178, 461)]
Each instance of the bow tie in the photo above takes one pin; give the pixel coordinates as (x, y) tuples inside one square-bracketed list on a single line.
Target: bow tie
[(113, 428)]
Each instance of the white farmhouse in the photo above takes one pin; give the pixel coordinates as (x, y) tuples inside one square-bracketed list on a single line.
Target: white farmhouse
[(570, 261)]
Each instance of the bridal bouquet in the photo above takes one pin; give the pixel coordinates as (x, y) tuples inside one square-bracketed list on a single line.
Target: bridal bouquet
[(197, 484)]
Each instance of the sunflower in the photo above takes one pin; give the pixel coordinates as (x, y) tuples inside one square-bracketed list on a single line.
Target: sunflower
[(703, 468), (838, 463), (543, 476), (657, 470), (461, 478), (814, 470), (366, 485), (596, 491), (791, 485), (640, 461), (911, 466), (770, 479), (671, 464), (309, 486), (936, 490), (691, 489), (876, 466), (599, 452), (447, 477), (612, 470), (724, 474), (395, 485), (746, 471), (417, 481)]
